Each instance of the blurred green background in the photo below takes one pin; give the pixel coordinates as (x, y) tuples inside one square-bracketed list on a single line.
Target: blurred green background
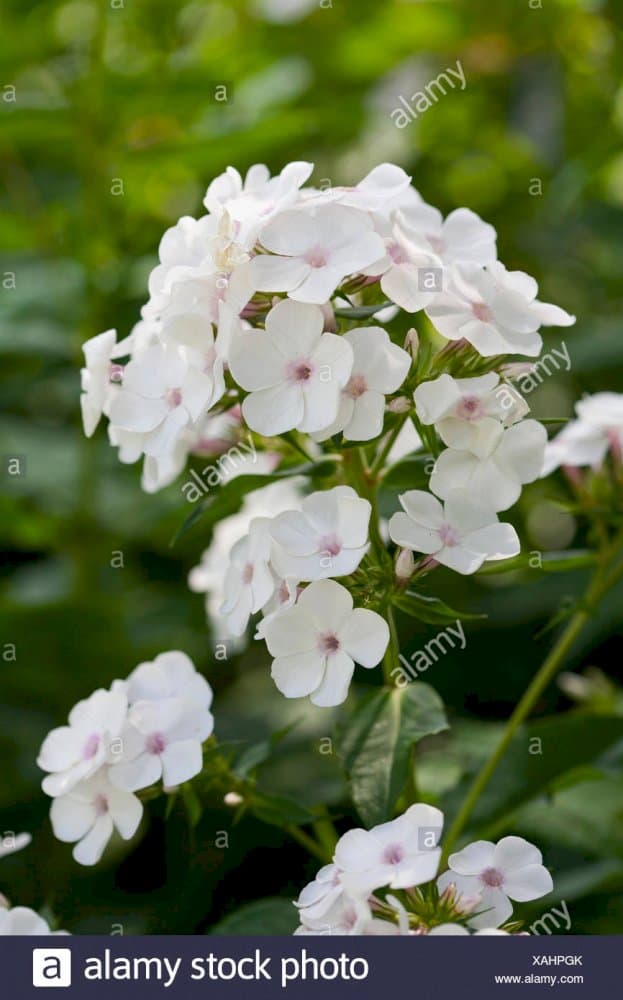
[(111, 129)]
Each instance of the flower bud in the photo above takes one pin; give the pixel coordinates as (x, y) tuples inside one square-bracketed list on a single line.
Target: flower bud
[(412, 342), (233, 799), (402, 404), (405, 564)]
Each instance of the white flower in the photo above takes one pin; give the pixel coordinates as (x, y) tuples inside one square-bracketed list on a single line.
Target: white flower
[(586, 441), (410, 270), (400, 854), (293, 371), (98, 378), (510, 869), (463, 236), (284, 597), (161, 395), (207, 577), (170, 675), (379, 189), (346, 916), (89, 814), (495, 310), (20, 920), (327, 537), (495, 478), (379, 367), (462, 535), (255, 202), (162, 739), (469, 413), (74, 752), (317, 898), (11, 843), (249, 583), (316, 642), (313, 251)]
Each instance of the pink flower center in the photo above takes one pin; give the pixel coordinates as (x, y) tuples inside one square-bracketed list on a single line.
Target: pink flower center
[(393, 854), (247, 573), (356, 386), (436, 243), (283, 594), (328, 643), (316, 258), (174, 398), (492, 877), (155, 743), (91, 746), (115, 372), (300, 370), (396, 253), (469, 408), (330, 545), (449, 535), (482, 312), (101, 805)]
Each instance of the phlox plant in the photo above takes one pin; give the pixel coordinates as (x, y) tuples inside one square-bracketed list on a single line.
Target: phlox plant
[(367, 348)]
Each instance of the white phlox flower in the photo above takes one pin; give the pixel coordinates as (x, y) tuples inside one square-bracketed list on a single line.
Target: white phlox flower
[(327, 537), (587, 440), (495, 310), (470, 413), (379, 367), (312, 252), (494, 478), (316, 643), (293, 371), (461, 534), (249, 583), (512, 869)]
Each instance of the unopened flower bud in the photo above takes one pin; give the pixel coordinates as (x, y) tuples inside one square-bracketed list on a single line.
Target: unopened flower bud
[(412, 342), (405, 564), (399, 405), (233, 799)]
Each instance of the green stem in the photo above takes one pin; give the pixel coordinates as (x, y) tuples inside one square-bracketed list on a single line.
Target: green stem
[(309, 843), (390, 440), (391, 660), (604, 579)]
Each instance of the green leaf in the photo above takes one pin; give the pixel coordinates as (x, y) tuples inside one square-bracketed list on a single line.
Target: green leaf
[(549, 562), (408, 474), (278, 810), (376, 744), (227, 499), (263, 917), (431, 610), (360, 312), (192, 804), (537, 758)]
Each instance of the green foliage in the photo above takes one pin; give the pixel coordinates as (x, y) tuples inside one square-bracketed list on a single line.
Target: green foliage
[(377, 742), (105, 94)]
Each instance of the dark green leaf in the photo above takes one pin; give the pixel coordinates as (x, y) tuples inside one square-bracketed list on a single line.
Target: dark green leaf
[(546, 562), (278, 810), (537, 757), (263, 917), (431, 610), (376, 744)]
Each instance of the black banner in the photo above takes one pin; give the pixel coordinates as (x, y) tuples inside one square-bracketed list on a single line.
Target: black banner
[(240, 968)]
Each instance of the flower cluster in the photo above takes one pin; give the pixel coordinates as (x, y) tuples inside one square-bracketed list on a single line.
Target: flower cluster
[(383, 881), (242, 310), (282, 567), (147, 728)]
